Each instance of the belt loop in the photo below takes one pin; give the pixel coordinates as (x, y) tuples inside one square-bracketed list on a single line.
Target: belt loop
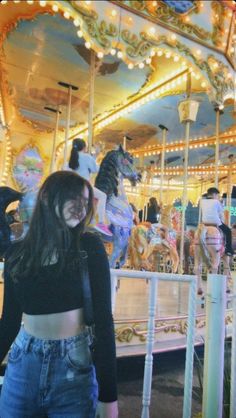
[(27, 344), (63, 348)]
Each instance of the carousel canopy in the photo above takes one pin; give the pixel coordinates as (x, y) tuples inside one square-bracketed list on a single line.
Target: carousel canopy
[(132, 62)]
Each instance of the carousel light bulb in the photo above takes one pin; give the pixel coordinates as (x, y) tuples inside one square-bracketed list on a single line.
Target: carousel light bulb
[(66, 15), (176, 58), (168, 55), (4, 2), (152, 30), (148, 60), (173, 37), (76, 22), (198, 52), (152, 53), (141, 65), (80, 33), (130, 66), (88, 2), (16, 1), (119, 54), (203, 84), (113, 51), (42, 3), (159, 53), (87, 45), (113, 12), (100, 54), (30, 1), (55, 8)]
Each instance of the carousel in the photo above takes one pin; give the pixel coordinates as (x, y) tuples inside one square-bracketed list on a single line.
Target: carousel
[(151, 87)]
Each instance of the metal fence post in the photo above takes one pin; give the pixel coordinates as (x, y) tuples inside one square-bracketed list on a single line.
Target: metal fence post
[(214, 347), (147, 381)]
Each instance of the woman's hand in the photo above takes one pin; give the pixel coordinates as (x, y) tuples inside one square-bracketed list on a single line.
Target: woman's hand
[(107, 410)]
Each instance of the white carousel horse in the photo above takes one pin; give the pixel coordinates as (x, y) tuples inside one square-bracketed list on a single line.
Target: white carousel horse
[(209, 249)]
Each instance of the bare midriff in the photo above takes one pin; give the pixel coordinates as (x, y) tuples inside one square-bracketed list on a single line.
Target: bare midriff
[(55, 326)]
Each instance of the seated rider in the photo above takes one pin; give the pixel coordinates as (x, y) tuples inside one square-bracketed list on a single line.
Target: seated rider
[(212, 215), (84, 164)]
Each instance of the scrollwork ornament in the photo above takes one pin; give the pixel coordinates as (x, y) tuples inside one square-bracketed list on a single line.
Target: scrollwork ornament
[(137, 47), (218, 26), (100, 31), (165, 13)]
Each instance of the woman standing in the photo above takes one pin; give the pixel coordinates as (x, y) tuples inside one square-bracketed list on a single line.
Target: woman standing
[(49, 370), (84, 164)]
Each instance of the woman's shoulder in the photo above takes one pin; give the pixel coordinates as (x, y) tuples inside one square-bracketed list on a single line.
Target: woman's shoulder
[(91, 241)]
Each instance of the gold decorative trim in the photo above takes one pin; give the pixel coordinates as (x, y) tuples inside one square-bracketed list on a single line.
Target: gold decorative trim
[(164, 13), (142, 47), (101, 31), (218, 28), (129, 331)]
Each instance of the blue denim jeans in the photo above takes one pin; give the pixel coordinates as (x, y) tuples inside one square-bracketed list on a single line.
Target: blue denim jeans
[(49, 378)]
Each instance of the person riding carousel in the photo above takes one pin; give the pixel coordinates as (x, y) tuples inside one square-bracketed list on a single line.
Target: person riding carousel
[(212, 215), (84, 164)]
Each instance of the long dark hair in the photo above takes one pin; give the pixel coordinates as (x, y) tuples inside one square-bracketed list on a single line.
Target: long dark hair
[(48, 235), (77, 145), (153, 203)]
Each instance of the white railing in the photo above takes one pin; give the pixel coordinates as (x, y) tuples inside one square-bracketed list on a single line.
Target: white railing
[(153, 279), (213, 374)]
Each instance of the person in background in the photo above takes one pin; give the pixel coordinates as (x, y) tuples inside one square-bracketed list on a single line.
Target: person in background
[(84, 164), (153, 211), (135, 214), (50, 371), (211, 213)]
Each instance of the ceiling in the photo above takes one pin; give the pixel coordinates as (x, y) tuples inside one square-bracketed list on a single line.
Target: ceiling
[(38, 53)]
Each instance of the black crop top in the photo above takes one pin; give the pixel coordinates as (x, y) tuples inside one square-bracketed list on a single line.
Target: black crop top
[(51, 292)]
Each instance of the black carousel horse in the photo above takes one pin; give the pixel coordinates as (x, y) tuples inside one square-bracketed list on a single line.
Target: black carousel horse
[(117, 165)]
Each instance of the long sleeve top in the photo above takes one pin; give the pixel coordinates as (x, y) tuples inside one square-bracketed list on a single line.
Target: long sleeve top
[(211, 211), (53, 292), (87, 165)]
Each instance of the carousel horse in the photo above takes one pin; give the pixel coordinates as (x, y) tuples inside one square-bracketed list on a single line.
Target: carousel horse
[(116, 166), (7, 196), (209, 249), (148, 240), (171, 217)]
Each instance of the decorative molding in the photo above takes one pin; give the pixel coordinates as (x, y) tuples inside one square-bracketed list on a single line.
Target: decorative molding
[(102, 31), (141, 47), (219, 21), (129, 331), (164, 13)]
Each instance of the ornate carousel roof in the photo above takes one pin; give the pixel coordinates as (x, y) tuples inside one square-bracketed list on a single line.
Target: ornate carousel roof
[(140, 55)]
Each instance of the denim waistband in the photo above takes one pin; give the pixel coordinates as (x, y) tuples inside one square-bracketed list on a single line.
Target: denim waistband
[(28, 342)]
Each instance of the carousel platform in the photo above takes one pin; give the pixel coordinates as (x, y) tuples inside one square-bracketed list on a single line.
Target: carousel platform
[(131, 315)]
